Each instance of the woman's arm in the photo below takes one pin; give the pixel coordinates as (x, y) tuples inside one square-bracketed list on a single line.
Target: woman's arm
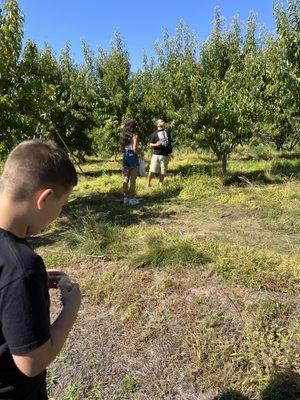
[(135, 143)]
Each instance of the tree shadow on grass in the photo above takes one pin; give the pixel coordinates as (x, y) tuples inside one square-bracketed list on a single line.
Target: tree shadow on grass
[(210, 169), (280, 169), (46, 239), (108, 208), (95, 160), (286, 168), (289, 156), (284, 385), (242, 178), (100, 172)]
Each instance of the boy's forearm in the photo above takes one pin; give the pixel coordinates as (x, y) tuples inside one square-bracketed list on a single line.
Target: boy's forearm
[(61, 328), (38, 360)]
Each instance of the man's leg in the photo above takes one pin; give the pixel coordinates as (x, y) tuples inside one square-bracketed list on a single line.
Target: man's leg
[(161, 180), (153, 169), (150, 177), (163, 169)]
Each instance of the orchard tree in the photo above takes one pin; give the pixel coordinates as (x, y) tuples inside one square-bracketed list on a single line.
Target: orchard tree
[(167, 84), (145, 98), (70, 118), (113, 79), (224, 104), (11, 34), (215, 94), (279, 83), (138, 106), (39, 81), (30, 93)]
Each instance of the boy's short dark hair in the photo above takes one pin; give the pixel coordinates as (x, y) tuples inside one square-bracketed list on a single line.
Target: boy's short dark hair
[(36, 164)]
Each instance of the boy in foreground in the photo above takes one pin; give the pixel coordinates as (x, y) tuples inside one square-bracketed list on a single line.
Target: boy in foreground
[(36, 182)]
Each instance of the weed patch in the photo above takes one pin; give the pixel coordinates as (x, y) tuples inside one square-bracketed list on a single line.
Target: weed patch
[(255, 268), (166, 253), (96, 238)]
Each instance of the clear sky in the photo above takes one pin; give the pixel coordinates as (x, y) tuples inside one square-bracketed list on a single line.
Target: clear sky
[(140, 22)]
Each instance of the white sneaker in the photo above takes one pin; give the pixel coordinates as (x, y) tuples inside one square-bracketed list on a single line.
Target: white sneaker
[(126, 200), (133, 202), (148, 186)]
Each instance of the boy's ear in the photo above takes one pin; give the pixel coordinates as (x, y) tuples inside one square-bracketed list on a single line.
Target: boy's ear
[(42, 197)]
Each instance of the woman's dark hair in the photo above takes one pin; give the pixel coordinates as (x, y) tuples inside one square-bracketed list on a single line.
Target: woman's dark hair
[(129, 130)]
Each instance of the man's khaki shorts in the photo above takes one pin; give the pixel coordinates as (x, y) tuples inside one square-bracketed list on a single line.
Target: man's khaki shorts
[(159, 164)]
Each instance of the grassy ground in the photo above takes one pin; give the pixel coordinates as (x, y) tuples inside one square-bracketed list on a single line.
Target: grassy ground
[(193, 294)]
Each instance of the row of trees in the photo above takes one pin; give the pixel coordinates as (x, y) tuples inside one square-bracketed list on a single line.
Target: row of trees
[(217, 94)]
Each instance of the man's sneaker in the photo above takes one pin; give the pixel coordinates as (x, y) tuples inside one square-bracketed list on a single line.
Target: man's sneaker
[(148, 186), (133, 202), (126, 200)]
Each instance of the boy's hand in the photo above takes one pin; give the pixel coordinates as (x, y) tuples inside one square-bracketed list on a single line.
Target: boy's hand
[(65, 283), (71, 297), (54, 276)]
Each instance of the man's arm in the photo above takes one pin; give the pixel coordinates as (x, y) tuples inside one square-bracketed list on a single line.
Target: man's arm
[(157, 144), (154, 141), (33, 363)]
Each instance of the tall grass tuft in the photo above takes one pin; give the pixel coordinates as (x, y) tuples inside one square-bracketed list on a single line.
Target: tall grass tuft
[(91, 237), (161, 253)]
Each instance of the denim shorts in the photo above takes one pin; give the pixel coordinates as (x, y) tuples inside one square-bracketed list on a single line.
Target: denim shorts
[(130, 160)]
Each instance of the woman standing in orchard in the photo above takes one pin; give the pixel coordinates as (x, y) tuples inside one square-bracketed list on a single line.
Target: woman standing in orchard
[(129, 147)]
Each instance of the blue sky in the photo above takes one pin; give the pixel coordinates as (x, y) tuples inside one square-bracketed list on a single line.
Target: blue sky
[(140, 22)]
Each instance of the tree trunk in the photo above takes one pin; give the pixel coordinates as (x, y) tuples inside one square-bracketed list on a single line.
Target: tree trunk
[(224, 163), (278, 146)]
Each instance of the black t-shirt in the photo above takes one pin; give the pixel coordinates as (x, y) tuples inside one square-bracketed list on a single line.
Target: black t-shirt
[(24, 316), (161, 150)]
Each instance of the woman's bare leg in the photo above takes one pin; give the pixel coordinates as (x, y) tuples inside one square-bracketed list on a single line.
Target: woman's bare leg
[(133, 176), (125, 183)]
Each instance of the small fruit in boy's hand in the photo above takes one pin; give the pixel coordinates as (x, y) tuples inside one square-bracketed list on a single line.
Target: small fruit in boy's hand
[(54, 277), (65, 283)]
